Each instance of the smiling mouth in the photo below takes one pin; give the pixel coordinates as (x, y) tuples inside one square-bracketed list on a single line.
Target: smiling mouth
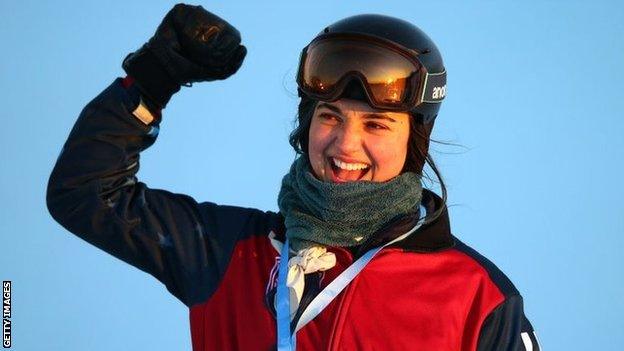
[(347, 172)]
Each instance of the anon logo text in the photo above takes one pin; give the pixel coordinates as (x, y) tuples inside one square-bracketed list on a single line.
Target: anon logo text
[(439, 92)]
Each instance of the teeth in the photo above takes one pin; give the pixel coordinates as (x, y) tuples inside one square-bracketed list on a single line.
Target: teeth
[(349, 166)]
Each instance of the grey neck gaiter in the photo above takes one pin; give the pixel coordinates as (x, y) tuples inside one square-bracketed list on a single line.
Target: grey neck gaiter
[(342, 214)]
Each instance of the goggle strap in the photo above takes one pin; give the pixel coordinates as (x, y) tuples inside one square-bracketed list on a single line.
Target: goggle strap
[(434, 89)]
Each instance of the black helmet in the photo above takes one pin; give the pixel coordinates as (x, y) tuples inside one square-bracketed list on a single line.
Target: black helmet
[(428, 84)]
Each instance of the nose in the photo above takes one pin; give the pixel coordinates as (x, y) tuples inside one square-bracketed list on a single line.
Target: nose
[(348, 139)]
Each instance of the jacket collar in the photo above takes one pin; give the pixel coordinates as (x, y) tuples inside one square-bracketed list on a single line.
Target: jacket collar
[(433, 236), (430, 237)]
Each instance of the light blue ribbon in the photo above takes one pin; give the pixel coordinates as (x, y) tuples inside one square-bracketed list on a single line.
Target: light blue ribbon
[(285, 340)]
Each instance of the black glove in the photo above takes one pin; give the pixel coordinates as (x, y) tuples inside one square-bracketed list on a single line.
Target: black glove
[(190, 45)]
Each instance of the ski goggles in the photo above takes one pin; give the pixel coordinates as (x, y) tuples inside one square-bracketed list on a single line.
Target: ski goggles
[(392, 76)]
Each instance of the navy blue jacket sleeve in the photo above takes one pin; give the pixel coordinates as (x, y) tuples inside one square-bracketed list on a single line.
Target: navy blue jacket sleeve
[(507, 329), (94, 193)]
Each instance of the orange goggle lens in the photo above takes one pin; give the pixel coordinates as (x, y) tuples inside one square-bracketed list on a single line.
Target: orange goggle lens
[(389, 77)]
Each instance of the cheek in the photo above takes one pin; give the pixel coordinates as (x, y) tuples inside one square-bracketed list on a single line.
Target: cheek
[(318, 140), (389, 155)]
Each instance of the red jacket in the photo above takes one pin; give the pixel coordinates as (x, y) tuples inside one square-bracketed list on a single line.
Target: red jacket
[(427, 292)]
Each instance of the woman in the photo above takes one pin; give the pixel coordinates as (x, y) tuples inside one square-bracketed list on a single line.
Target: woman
[(372, 263)]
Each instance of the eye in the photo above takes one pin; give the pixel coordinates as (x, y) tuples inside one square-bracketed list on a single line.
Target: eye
[(329, 118), (375, 126)]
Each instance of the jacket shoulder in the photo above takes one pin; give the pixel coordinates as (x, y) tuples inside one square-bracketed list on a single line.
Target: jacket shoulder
[(496, 276), (505, 326)]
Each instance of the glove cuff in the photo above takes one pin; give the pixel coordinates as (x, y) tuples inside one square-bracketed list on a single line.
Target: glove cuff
[(152, 79)]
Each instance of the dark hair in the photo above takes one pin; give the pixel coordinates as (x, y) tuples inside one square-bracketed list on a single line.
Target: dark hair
[(417, 150)]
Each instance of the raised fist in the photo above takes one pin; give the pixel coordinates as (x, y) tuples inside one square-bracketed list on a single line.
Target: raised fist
[(190, 45)]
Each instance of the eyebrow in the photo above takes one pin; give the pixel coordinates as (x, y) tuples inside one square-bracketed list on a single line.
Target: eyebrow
[(330, 107), (368, 115)]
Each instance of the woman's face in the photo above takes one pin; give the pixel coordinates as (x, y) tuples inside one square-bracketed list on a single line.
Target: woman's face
[(351, 141)]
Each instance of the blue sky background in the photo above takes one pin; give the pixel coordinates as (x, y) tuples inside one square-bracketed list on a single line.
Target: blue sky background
[(535, 97)]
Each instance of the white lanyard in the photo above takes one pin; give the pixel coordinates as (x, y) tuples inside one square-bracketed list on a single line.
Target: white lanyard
[(287, 341)]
